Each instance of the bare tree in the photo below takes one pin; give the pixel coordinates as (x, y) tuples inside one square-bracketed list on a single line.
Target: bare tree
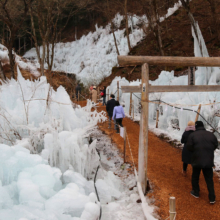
[(13, 14), (2, 75), (186, 5), (214, 4), (45, 16), (150, 8)]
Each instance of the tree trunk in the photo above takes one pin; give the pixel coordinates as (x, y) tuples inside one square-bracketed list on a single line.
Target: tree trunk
[(12, 61), (126, 19), (215, 18), (113, 32), (192, 21), (2, 75)]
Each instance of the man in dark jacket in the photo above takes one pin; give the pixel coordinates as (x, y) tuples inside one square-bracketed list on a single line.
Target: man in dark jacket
[(202, 143), (78, 90), (109, 108)]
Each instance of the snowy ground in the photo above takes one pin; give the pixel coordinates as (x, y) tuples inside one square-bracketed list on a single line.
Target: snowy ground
[(125, 207)]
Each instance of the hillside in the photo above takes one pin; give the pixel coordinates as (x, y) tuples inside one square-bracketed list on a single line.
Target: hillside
[(177, 39)]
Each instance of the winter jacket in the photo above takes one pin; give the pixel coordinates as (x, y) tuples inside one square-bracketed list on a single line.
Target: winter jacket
[(94, 95), (118, 112), (110, 107), (202, 144), (78, 89), (104, 91), (186, 154)]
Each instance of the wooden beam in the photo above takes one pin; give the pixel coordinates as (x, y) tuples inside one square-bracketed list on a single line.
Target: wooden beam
[(131, 89), (191, 88), (168, 61), (143, 136), (176, 88)]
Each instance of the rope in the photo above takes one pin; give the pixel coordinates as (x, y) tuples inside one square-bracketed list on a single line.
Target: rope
[(83, 96)]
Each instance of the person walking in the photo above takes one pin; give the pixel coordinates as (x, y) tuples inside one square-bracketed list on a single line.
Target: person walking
[(78, 90), (103, 94), (118, 114), (186, 154), (202, 144), (109, 108), (94, 94)]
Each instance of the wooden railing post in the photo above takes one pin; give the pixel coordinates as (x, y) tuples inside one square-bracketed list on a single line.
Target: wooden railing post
[(125, 144), (130, 103), (197, 116), (172, 208), (157, 120), (133, 108), (143, 136), (118, 90)]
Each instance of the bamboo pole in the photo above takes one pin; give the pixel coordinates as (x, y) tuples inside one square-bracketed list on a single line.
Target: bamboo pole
[(130, 103), (172, 204), (157, 118), (124, 144), (143, 136), (197, 115)]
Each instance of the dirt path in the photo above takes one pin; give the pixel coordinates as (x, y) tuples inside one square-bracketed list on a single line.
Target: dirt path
[(164, 172)]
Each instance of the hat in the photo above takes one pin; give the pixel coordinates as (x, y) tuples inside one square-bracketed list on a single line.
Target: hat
[(191, 123), (199, 124), (112, 96), (94, 87)]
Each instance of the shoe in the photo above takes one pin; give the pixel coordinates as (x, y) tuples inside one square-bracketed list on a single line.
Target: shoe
[(194, 194), (212, 202)]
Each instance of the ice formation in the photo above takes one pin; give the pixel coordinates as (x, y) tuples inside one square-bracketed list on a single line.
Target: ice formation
[(174, 121), (20, 61), (57, 183), (93, 56)]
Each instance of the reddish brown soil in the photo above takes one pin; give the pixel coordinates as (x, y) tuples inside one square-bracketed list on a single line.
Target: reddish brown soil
[(164, 172)]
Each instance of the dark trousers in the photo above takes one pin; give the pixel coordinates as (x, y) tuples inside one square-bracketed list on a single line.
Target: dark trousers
[(119, 123), (208, 174), (103, 101), (185, 165)]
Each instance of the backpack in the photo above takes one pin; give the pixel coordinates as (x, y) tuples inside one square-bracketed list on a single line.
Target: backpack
[(102, 93)]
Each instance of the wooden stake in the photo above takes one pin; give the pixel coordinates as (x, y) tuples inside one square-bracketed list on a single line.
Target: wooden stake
[(157, 120), (118, 90), (130, 103), (197, 115), (143, 136), (124, 144), (133, 108), (172, 208)]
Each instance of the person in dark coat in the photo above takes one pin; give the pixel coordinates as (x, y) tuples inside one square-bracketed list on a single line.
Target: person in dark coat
[(202, 144), (78, 90), (186, 154), (109, 108), (104, 95)]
